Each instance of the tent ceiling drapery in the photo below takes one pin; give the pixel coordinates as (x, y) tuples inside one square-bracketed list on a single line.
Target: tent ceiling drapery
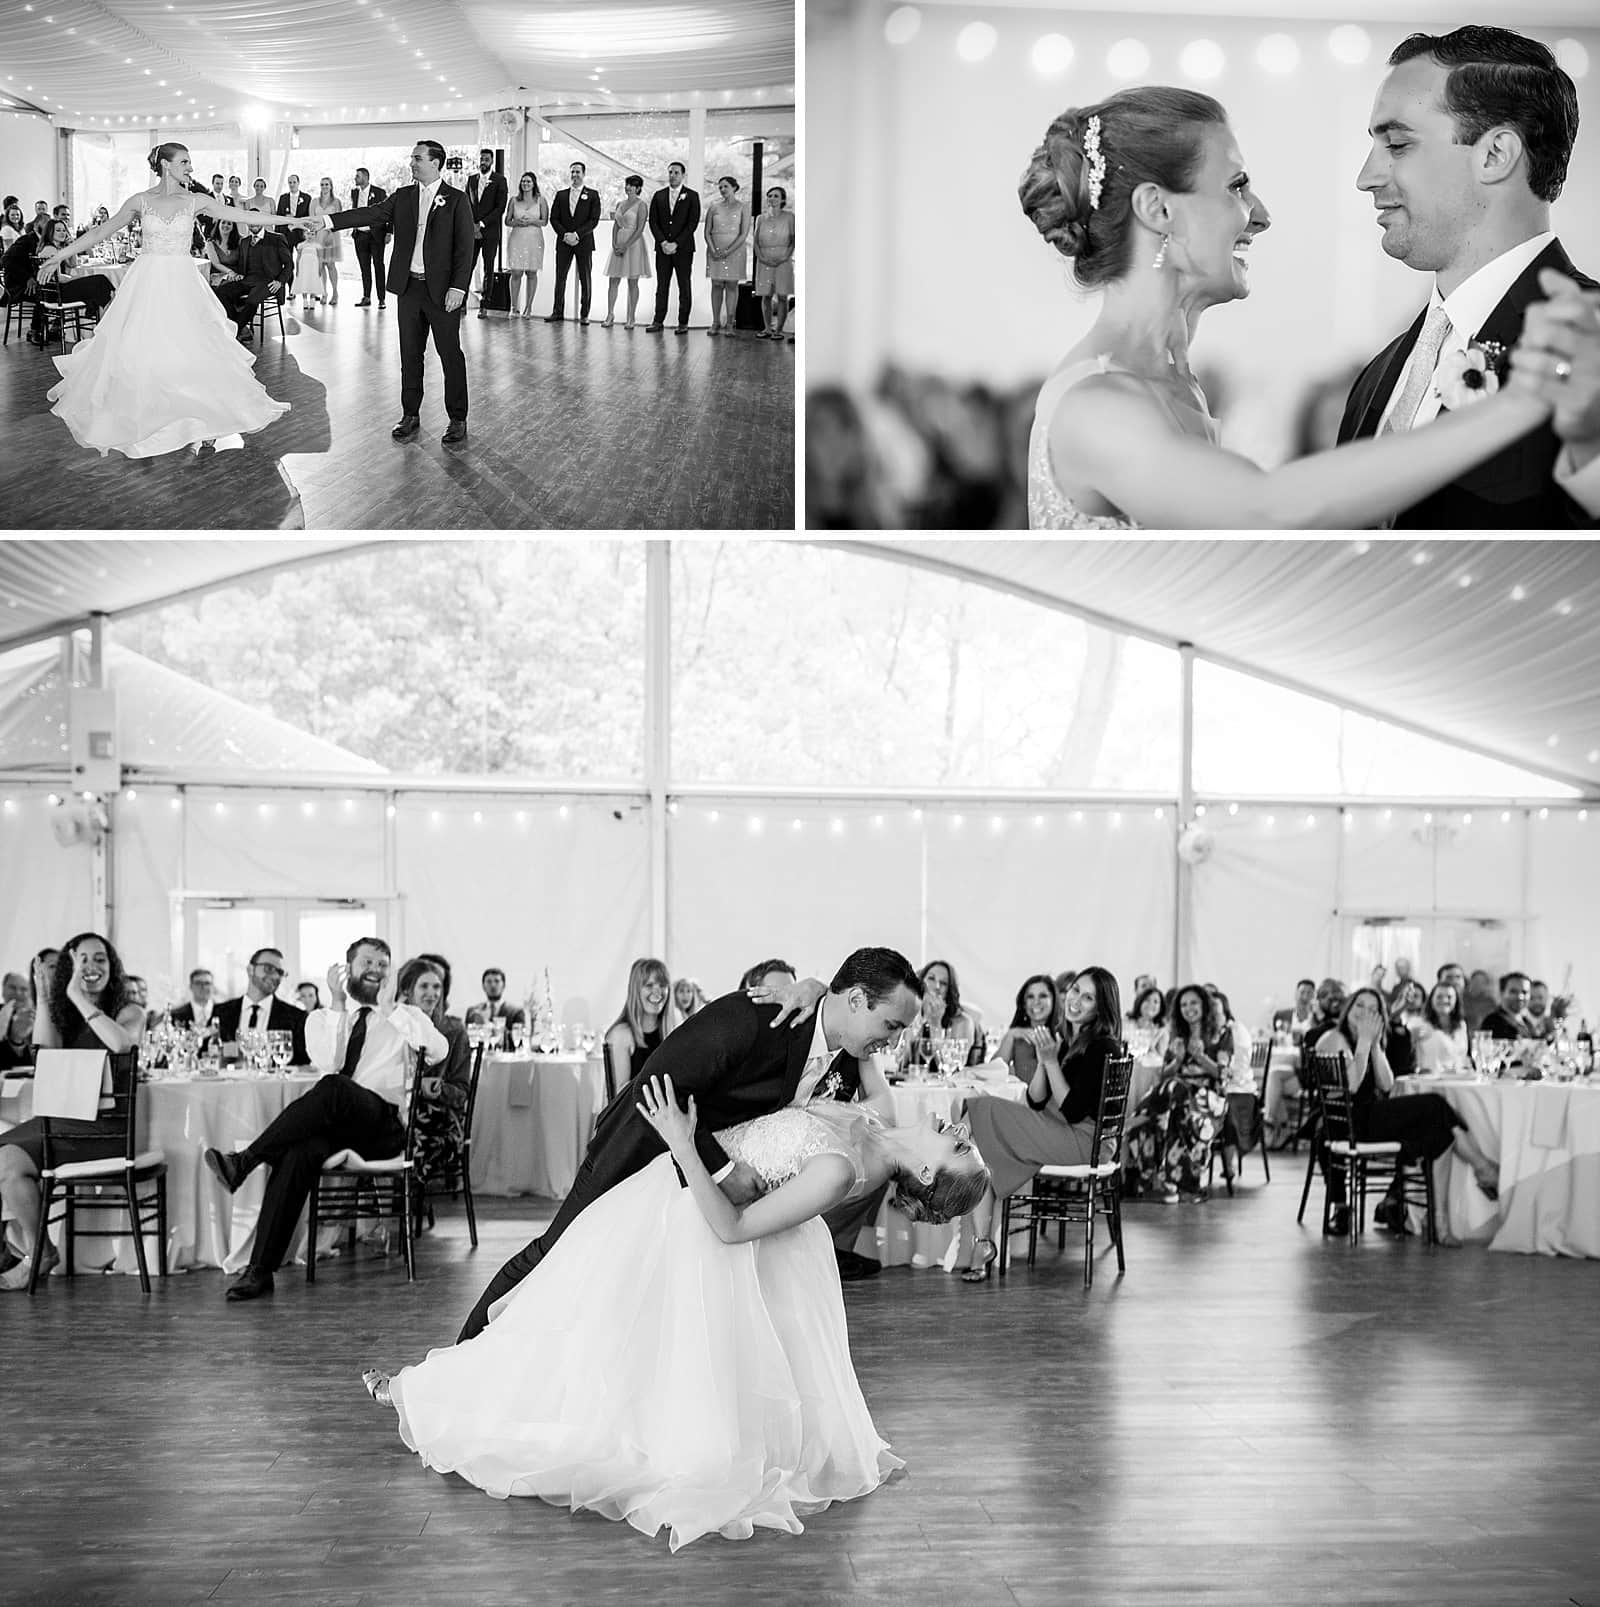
[(146, 58), (1429, 633)]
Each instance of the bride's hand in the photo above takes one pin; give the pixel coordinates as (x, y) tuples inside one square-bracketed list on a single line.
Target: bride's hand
[(49, 263), (799, 998), (658, 1105)]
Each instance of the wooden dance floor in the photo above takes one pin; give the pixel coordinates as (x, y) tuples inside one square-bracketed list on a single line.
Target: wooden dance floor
[(570, 428), (1251, 1418)]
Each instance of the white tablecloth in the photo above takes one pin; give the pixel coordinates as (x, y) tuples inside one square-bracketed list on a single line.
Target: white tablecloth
[(532, 1122), (1546, 1138)]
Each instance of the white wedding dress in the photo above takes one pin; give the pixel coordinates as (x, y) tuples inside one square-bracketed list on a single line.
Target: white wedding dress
[(165, 367), (646, 1371)]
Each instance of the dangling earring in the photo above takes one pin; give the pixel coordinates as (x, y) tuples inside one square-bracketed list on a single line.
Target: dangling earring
[(1161, 255)]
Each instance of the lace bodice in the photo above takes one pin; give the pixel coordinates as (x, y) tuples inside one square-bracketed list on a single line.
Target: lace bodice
[(168, 236), (779, 1145)]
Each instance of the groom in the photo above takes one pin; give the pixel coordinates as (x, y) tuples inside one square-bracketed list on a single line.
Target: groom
[(727, 1057), (430, 267), (1471, 135)]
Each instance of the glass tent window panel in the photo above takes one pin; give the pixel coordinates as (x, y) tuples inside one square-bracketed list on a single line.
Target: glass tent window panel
[(800, 666), (1260, 740)]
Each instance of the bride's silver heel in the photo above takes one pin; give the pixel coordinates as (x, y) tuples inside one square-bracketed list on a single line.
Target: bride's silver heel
[(377, 1383)]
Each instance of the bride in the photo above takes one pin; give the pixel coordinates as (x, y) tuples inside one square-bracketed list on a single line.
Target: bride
[(1147, 195), (164, 368), (676, 1361)]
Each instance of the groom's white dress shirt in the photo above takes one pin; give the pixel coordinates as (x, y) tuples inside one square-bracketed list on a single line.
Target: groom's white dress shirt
[(425, 195), (818, 1058)]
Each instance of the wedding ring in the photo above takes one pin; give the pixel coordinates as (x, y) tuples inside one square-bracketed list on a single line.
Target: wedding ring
[(1563, 369)]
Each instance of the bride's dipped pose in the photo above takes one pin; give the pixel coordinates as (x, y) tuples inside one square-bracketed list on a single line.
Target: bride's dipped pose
[(164, 368), (679, 1361)]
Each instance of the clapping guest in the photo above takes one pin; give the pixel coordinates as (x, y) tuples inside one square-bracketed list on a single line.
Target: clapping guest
[(775, 243), (1037, 1010), (1171, 1133), (727, 230), (441, 1116), (1056, 1127), (85, 1005), (16, 1023), (330, 247), (943, 1010), (525, 219), (630, 257), (637, 1032)]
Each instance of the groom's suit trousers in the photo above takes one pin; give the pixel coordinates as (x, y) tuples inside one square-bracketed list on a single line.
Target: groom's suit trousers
[(420, 314)]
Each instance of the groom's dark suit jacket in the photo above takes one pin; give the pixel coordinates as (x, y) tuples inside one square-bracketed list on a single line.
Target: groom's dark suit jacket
[(737, 1068), (1513, 490), (446, 246)]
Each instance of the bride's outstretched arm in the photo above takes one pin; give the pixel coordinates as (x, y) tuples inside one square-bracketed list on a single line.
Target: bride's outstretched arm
[(1120, 440), (241, 216), (51, 257), (823, 1181)]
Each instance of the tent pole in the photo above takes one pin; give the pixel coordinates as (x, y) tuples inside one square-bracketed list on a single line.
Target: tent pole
[(658, 725), (1182, 909)]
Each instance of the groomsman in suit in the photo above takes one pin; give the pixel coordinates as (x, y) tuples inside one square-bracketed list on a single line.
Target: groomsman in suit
[(430, 268), (674, 217), (259, 1009), (486, 191), (736, 1068), (198, 1009), (369, 238), (574, 216), (496, 1007), (294, 203), (1471, 135), (266, 266), (365, 1046)]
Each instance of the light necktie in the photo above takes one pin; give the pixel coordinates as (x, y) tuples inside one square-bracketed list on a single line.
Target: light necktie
[(1419, 372), (358, 1037), (816, 1069)]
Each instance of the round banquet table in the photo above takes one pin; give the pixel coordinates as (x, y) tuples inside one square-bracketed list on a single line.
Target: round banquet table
[(532, 1122), (1546, 1138), (894, 1239)]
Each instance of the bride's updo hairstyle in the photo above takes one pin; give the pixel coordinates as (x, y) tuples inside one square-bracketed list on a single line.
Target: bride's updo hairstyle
[(1145, 136), (952, 1193), (164, 153)]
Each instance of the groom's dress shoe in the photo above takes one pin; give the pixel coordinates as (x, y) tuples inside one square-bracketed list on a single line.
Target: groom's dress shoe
[(407, 427), (853, 1267), (229, 1170), (455, 430), (366, 301), (251, 1286)]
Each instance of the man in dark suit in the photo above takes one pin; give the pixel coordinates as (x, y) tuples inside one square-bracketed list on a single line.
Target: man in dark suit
[(259, 1009), (574, 216), (496, 1007), (369, 238), (1471, 136), (736, 1068), (674, 217), (201, 1005), (430, 268), (266, 266), (486, 192), (294, 203)]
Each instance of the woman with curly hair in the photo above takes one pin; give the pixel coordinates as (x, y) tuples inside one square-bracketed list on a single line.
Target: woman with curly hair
[(86, 1004), (1171, 1134)]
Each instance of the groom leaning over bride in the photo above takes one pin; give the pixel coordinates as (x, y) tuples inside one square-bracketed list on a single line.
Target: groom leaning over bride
[(1147, 194)]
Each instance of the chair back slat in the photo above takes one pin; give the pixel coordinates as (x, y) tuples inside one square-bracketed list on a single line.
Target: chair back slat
[(1113, 1114), (1331, 1090), (478, 1053), (414, 1102), (1260, 1066), (118, 1105)]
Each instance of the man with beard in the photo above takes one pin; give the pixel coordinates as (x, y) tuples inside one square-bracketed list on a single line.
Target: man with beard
[(363, 1044)]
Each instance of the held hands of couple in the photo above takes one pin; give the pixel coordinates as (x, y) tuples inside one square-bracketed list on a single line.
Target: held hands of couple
[(1558, 359)]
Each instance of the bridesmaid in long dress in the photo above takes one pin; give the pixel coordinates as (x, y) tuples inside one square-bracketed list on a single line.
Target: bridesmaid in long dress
[(775, 239), (526, 216), (727, 230), (630, 257)]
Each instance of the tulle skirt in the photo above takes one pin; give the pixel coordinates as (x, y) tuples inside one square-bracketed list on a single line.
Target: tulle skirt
[(648, 1372), (163, 369)]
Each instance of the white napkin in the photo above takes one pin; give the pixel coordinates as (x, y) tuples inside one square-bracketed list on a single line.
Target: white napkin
[(67, 1083), (1548, 1129), (519, 1088)]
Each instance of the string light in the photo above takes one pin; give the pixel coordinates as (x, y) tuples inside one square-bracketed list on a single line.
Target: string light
[(1350, 45), (1128, 58), (976, 42), (902, 25), (1052, 54), (1278, 54), (1202, 59)]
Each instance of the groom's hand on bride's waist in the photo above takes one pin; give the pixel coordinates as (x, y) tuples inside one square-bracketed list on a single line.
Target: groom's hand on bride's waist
[(743, 1184)]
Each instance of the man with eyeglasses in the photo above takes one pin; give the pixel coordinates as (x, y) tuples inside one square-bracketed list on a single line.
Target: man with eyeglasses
[(259, 1008)]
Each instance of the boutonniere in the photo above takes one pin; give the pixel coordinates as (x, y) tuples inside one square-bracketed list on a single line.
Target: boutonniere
[(438, 201), (1469, 375)]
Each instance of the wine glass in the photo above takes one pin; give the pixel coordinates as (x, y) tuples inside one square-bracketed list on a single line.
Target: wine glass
[(281, 1047)]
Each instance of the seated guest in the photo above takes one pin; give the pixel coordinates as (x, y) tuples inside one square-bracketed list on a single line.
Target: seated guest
[(441, 1117), (1424, 1125), (199, 1008), (364, 1045), (1539, 1018), (496, 1007), (1505, 1021), (1056, 1126), (766, 973), (264, 266), (637, 1032), (16, 1023), (259, 1009), (92, 291), (84, 1004), (1171, 1133), (1439, 1043), (942, 1009), (308, 996), (1033, 1019), (1149, 1008), (1304, 1013), (18, 267), (1402, 976), (1063, 982), (12, 225), (222, 247), (138, 990), (688, 996), (1479, 1001), (13, 991)]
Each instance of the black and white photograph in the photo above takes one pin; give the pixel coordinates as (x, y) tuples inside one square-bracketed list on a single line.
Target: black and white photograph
[(1187, 265), (1036, 1071), (346, 265)]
